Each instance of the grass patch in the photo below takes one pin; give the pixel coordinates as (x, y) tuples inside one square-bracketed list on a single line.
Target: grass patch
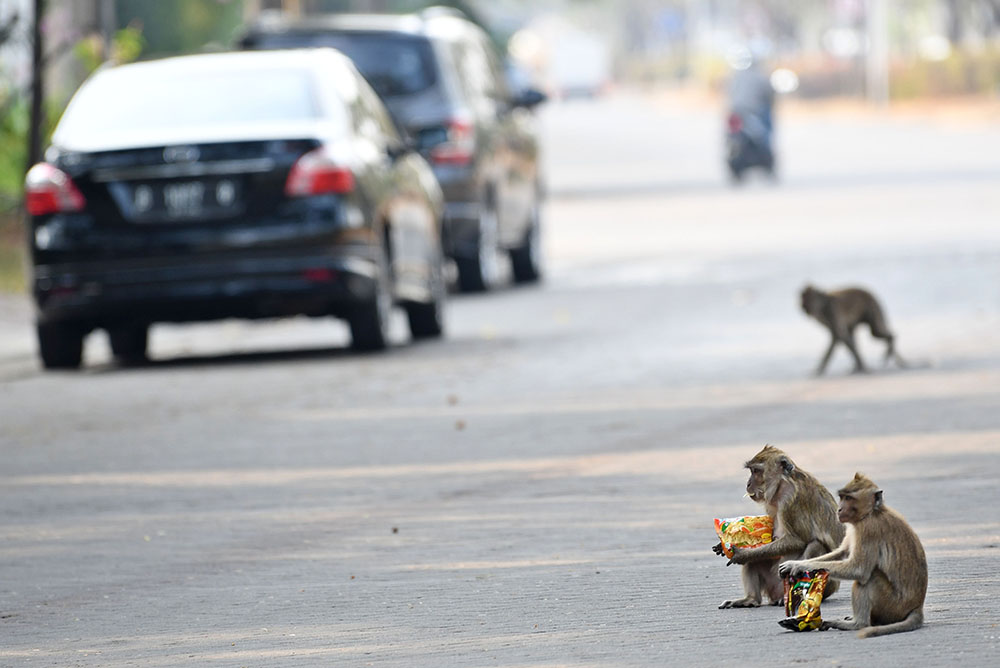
[(11, 269), (12, 255)]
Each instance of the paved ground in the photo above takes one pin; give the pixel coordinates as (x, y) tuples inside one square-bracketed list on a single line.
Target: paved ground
[(538, 489)]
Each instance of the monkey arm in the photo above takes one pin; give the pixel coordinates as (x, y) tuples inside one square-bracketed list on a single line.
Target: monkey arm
[(853, 567), (849, 569), (787, 544), (823, 561)]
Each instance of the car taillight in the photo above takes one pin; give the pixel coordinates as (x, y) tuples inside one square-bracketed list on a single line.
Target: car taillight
[(735, 122), (315, 173), (460, 145), (48, 189)]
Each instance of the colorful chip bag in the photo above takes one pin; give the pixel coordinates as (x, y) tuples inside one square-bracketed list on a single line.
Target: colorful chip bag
[(803, 594), (742, 532)]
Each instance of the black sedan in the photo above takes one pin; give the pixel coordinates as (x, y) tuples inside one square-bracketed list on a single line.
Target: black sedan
[(247, 185)]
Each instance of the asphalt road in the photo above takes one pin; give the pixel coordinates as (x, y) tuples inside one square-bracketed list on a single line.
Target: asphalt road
[(538, 489)]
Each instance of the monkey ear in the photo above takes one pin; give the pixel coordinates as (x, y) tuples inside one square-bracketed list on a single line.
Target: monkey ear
[(786, 464), (878, 499)]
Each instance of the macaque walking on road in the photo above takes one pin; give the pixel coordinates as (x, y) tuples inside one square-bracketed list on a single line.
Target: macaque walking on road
[(841, 311)]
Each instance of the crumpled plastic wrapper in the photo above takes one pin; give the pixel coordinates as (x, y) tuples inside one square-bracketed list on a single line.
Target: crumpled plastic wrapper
[(803, 594)]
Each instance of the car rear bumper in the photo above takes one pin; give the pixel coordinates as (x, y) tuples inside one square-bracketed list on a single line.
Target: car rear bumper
[(205, 289)]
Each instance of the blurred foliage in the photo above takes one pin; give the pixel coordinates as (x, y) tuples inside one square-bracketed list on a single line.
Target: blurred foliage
[(962, 73), (182, 26), (126, 46), (14, 146), (13, 154), (11, 256), (13, 151)]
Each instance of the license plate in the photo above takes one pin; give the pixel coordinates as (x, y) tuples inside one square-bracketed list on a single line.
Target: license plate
[(183, 200)]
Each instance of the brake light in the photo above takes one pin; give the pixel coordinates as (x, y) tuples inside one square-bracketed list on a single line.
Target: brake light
[(315, 173), (735, 122), (460, 145), (48, 189)]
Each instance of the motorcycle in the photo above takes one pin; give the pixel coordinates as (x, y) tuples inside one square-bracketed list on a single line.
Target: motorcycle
[(748, 144)]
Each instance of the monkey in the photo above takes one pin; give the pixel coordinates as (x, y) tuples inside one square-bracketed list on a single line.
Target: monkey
[(805, 525), (841, 311), (883, 556)]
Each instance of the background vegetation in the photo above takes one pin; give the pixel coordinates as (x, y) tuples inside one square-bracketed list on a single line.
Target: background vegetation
[(654, 41)]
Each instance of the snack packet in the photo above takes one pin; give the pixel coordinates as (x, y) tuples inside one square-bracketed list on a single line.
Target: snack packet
[(752, 531), (803, 594)]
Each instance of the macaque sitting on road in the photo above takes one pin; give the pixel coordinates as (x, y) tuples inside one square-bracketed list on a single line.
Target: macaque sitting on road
[(841, 311), (805, 525), (883, 556)]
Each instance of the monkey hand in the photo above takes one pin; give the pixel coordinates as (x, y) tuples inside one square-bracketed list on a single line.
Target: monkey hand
[(740, 556), (717, 548), (790, 568)]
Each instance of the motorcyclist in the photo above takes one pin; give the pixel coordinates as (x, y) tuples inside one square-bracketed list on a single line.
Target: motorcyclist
[(750, 92)]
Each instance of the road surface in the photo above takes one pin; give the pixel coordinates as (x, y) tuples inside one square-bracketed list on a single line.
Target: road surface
[(538, 489)]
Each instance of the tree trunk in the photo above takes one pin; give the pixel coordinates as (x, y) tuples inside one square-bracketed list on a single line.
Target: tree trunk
[(37, 87)]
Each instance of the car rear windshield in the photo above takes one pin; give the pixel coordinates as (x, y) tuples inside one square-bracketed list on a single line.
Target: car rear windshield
[(136, 99), (393, 64)]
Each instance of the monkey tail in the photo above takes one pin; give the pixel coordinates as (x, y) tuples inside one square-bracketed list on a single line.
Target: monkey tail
[(913, 621)]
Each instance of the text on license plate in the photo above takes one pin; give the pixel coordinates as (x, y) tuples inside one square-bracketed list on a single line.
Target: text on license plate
[(186, 199)]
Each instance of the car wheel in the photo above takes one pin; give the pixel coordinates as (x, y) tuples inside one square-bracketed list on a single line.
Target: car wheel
[(370, 321), (60, 345), (480, 273), (427, 319), (129, 343), (526, 260)]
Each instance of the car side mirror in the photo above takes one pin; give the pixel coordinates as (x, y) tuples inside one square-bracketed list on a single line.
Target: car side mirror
[(405, 146), (529, 98)]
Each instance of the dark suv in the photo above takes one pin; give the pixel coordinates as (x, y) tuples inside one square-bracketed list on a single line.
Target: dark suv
[(443, 81)]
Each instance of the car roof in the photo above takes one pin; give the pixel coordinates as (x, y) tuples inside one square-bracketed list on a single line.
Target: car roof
[(315, 63), (436, 22), (307, 59)]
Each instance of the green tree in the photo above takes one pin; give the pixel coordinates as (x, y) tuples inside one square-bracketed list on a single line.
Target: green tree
[(181, 26)]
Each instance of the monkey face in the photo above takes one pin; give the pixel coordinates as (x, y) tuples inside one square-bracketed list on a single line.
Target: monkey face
[(847, 511), (767, 469), (858, 499), (854, 508), (755, 485), (809, 300)]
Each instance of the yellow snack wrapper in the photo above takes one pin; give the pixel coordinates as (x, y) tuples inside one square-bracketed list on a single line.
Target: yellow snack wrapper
[(741, 532), (803, 594)]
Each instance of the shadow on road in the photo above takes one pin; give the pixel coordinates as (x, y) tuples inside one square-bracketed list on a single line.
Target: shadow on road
[(234, 359)]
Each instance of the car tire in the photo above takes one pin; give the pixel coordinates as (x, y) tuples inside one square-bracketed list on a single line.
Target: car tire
[(478, 274), (129, 343), (60, 345), (427, 318), (370, 321), (526, 260)]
